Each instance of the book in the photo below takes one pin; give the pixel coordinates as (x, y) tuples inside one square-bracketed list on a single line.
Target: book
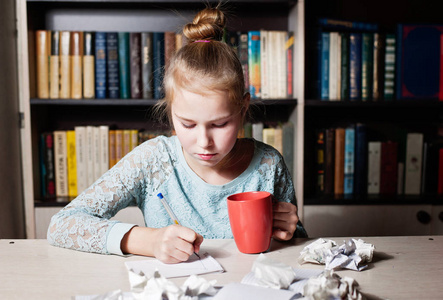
[(42, 43), (257, 131), (388, 168), (265, 64), (147, 56), (126, 146), (334, 65), (418, 61), (113, 81), (32, 49), (339, 161), (76, 54), (329, 160), (349, 161), (88, 65), (65, 65), (367, 66), (374, 156), (289, 46), (243, 56), (60, 163), (344, 66), (355, 63), (361, 160), (81, 158), (134, 138), (254, 64), (54, 66), (378, 67), (324, 66), (413, 163), (320, 162), (47, 165), (100, 65), (389, 77), (97, 153), (124, 65), (118, 145), (71, 163), (158, 42), (135, 64), (112, 154), (89, 155), (104, 148)]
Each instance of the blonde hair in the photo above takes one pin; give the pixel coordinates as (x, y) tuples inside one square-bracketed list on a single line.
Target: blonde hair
[(205, 63)]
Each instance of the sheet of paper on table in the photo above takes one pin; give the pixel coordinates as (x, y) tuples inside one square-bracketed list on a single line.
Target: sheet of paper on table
[(203, 265)]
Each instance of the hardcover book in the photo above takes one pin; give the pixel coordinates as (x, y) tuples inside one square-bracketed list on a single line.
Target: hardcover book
[(388, 168), (54, 66), (413, 164), (329, 160), (60, 162), (147, 56), (374, 156), (136, 65), (158, 41), (323, 64), (320, 162), (100, 65), (42, 42), (367, 65), (355, 63), (76, 55), (88, 66), (243, 56), (254, 64), (65, 65), (349, 161), (361, 159), (389, 78), (113, 82), (339, 162), (71, 163), (124, 65)]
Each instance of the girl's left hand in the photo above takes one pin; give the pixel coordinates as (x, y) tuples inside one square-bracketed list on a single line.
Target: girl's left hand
[(285, 220)]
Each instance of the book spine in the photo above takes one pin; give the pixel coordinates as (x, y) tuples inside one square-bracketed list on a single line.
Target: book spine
[(158, 41), (339, 162), (118, 145), (135, 62), (126, 141), (134, 138), (367, 66), (329, 160), (349, 161), (254, 64), (389, 78), (413, 164), (355, 60), (320, 164), (257, 131), (76, 64), (112, 155), (104, 148), (388, 168), (50, 191), (97, 152), (89, 155), (88, 65), (269, 136), (333, 65), (361, 157), (54, 66), (124, 65), (243, 56), (147, 65), (80, 151), (378, 67), (65, 65), (374, 155), (344, 78), (113, 83), (42, 42), (100, 65), (265, 69), (71, 163), (60, 162), (289, 46), (324, 66)]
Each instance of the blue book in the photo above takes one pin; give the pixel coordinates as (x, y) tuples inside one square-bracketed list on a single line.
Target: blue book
[(348, 187), (124, 65), (100, 65), (158, 42), (361, 157), (418, 61), (112, 64), (324, 66), (355, 59), (254, 64)]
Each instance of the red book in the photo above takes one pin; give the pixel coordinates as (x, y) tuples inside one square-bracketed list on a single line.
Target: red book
[(388, 168), (440, 171)]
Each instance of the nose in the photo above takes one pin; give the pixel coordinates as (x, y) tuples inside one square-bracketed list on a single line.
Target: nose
[(204, 139)]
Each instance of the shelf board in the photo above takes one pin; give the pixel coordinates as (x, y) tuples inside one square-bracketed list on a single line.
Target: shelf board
[(139, 102), (374, 200), (420, 103), (289, 2)]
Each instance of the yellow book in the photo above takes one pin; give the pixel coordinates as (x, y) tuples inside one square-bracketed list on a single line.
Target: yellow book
[(134, 138), (65, 65), (88, 67), (112, 157), (72, 163), (42, 43), (54, 66), (118, 145), (76, 64), (126, 141)]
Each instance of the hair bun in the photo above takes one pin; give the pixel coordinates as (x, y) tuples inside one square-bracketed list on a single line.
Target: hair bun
[(208, 24)]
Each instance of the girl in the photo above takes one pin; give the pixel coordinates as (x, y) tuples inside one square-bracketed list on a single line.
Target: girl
[(195, 170)]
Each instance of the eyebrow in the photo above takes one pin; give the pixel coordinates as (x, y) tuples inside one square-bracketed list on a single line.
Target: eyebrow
[(215, 120)]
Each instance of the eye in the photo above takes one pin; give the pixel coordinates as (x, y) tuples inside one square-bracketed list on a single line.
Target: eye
[(188, 126), (220, 125)]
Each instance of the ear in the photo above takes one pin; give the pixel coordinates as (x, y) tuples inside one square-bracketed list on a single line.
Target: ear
[(246, 101)]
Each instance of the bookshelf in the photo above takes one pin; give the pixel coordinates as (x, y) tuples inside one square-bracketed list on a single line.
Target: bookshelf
[(39, 115), (368, 214)]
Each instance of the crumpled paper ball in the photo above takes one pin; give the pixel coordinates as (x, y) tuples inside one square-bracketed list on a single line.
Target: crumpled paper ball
[(353, 254), (331, 286), (272, 273)]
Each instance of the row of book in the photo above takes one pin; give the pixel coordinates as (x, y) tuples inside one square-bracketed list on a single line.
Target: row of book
[(72, 160), (349, 164), (130, 65), (358, 62), (115, 65)]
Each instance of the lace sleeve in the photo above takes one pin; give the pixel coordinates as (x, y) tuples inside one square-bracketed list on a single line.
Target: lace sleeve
[(84, 223)]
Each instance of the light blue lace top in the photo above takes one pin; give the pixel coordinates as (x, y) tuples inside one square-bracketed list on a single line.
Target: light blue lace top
[(158, 166)]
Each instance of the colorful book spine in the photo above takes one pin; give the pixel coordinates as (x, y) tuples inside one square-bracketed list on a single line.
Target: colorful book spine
[(265, 65), (289, 46), (71, 163), (355, 59), (76, 64), (124, 65), (42, 42), (100, 65), (361, 158), (60, 163), (320, 164), (147, 56), (48, 161), (113, 83), (344, 78), (54, 66), (65, 65), (80, 155), (339, 162), (158, 41), (367, 65), (254, 64), (389, 78), (88, 66), (243, 56), (329, 160), (324, 66), (349, 162), (136, 65), (112, 154), (378, 67)]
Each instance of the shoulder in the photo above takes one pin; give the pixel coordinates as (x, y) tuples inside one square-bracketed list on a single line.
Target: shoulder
[(267, 152)]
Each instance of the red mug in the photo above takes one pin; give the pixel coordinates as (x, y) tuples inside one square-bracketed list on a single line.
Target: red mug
[(250, 215)]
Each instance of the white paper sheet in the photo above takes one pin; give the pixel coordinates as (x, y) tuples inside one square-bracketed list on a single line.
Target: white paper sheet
[(206, 264)]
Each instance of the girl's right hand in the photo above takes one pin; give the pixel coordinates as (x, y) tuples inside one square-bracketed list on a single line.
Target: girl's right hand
[(171, 244)]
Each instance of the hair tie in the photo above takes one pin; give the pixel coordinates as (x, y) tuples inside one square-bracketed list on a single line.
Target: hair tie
[(201, 41)]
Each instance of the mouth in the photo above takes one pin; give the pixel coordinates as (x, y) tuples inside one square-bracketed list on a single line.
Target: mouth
[(206, 156)]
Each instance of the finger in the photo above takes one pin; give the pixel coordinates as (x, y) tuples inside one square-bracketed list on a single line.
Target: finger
[(284, 207), (285, 226), (288, 217), (198, 241), (281, 235)]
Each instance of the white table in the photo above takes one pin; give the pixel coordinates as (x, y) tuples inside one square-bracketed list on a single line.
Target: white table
[(402, 268)]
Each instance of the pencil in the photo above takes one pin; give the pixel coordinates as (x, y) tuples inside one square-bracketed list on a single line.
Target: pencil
[(170, 212)]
